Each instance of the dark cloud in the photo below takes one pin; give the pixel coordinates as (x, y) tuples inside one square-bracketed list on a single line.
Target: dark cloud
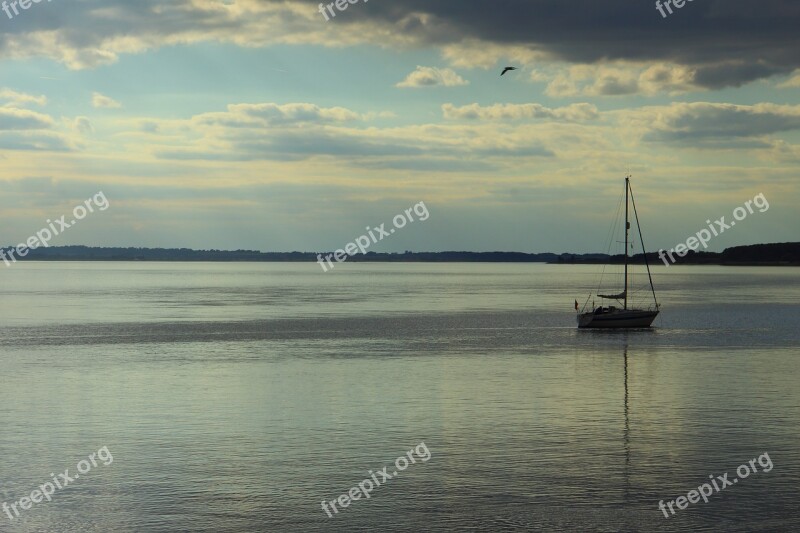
[(715, 125), (734, 74), (730, 42)]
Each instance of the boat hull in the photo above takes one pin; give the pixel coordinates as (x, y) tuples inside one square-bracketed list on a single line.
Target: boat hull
[(630, 318)]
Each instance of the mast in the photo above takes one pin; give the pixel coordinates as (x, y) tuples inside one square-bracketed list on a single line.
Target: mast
[(627, 227)]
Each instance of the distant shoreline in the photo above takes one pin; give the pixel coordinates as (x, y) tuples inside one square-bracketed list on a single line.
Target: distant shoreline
[(776, 254)]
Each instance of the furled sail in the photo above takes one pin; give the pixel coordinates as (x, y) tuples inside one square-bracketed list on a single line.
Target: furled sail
[(620, 296)]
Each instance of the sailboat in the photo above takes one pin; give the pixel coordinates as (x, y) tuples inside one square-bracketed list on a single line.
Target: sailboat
[(614, 317)]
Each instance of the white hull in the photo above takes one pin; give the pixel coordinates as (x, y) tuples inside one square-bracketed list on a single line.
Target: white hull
[(617, 319)]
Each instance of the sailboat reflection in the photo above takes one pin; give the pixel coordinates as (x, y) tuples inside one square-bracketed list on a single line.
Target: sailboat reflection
[(627, 424), (626, 430)]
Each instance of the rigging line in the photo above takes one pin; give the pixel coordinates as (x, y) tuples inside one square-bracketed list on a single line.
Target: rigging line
[(644, 252), (609, 241)]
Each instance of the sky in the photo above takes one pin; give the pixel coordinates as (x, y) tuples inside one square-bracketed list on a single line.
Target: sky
[(268, 125)]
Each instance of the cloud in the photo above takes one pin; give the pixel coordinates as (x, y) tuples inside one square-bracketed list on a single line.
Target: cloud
[(250, 115), (432, 77), (735, 73), (295, 132), (430, 164), (102, 101), (621, 79), (37, 141), (792, 82), (472, 53), (585, 32), (593, 80), (23, 119), (148, 126), (784, 152), (82, 125), (92, 33), (571, 113), (17, 99), (672, 79), (23, 129), (706, 124)]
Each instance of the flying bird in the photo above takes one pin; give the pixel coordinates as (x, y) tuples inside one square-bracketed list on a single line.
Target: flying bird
[(507, 69)]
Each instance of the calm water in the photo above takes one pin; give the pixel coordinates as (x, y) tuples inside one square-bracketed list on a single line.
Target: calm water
[(236, 397)]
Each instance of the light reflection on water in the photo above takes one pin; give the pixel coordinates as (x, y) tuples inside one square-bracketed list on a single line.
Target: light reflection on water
[(238, 397)]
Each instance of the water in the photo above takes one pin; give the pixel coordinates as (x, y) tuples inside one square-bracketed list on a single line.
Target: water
[(237, 397)]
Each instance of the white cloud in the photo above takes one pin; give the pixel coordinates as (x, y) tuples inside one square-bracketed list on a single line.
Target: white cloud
[(23, 119), (252, 115), (620, 79), (672, 79), (297, 132), (432, 77), (792, 82), (474, 53), (16, 99), (102, 101), (571, 113)]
